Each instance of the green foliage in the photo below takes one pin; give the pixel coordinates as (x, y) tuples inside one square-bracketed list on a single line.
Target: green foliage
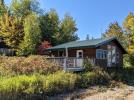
[(23, 20), (114, 30), (32, 36), (129, 28), (57, 31), (3, 8), (131, 58), (20, 84), (87, 65), (60, 82), (28, 65), (49, 24), (96, 77), (67, 30), (22, 8), (1, 2), (11, 29), (88, 79)]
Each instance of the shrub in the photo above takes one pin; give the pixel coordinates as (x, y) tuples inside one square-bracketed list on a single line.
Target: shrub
[(131, 59), (60, 82), (103, 76), (87, 64), (28, 65), (96, 77), (88, 79)]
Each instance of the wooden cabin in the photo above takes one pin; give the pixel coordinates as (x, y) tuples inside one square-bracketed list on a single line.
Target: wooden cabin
[(103, 52)]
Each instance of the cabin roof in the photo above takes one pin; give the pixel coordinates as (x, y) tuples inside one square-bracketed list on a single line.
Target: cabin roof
[(86, 43)]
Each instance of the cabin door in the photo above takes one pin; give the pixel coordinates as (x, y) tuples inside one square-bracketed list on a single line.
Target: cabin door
[(111, 56), (79, 60)]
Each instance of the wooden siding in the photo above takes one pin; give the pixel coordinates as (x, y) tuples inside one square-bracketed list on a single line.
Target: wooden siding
[(91, 53)]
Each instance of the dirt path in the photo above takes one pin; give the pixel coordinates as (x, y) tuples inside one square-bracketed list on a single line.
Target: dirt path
[(126, 93)]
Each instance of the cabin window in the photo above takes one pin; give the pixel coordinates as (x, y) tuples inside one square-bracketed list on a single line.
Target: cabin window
[(101, 54), (104, 54), (117, 57)]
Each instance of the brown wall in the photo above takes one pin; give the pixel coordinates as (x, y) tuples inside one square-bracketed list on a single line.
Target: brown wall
[(91, 53)]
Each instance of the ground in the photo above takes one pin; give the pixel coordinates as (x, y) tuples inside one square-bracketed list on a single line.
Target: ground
[(126, 93), (100, 93)]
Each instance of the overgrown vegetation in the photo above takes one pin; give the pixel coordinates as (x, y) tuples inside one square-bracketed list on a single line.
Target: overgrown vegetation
[(27, 65), (25, 77)]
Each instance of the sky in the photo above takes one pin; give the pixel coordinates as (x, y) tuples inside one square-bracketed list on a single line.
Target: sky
[(92, 16)]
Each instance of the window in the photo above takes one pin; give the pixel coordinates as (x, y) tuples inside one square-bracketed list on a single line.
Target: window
[(104, 54), (101, 54), (117, 57)]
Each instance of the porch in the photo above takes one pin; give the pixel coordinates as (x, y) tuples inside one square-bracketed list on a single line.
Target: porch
[(71, 63)]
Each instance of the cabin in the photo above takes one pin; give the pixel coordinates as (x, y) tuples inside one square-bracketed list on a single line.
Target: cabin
[(103, 52), (5, 49)]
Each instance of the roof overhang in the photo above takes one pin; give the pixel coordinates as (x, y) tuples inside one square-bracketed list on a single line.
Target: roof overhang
[(90, 46)]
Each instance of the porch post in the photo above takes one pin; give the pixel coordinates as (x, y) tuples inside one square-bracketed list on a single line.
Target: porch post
[(65, 61), (66, 52)]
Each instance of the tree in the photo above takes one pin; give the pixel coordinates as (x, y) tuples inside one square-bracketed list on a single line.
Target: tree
[(41, 48), (25, 7), (32, 35), (1, 2), (11, 29), (3, 8), (11, 20), (49, 24), (87, 38), (114, 30), (56, 31), (129, 28), (67, 30)]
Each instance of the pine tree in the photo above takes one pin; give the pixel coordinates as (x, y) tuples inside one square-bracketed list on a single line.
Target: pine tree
[(87, 37)]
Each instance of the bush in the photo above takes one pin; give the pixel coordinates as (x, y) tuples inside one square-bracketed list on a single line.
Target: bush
[(60, 82), (87, 64), (131, 59), (103, 76), (95, 77), (88, 79), (28, 65)]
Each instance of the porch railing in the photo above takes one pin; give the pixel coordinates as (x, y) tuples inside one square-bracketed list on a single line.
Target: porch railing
[(70, 62)]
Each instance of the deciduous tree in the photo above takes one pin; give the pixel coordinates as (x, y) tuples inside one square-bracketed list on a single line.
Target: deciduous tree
[(32, 35), (25, 7), (114, 30), (129, 28), (11, 29)]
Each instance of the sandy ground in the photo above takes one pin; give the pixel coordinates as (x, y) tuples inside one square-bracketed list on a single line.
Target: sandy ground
[(126, 93)]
